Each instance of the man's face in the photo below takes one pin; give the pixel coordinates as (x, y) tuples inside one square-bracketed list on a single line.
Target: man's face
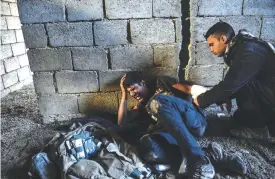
[(217, 44), (138, 90)]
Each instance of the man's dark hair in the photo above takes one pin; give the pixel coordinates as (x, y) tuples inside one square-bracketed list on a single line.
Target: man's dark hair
[(221, 28), (132, 77)]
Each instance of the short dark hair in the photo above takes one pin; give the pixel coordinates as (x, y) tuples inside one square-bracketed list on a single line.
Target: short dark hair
[(132, 77), (221, 28)]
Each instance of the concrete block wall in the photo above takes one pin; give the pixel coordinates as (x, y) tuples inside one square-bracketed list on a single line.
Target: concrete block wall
[(79, 49), (14, 63), (258, 17)]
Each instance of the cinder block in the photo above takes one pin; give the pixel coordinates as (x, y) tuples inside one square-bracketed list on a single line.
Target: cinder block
[(5, 8), (1, 85), (43, 83), (35, 35), (77, 81), (166, 8), (47, 119), (206, 75), (23, 60), (13, 22), (194, 8), (5, 92), (84, 10), (268, 29), (18, 48), (70, 34), (2, 68), (254, 7), (10, 0), (10, 79), (90, 59), (3, 24), (41, 11), (220, 8), (152, 31), (200, 25), (8, 36), (16, 87), (58, 104), (110, 80), (110, 32), (178, 29), (5, 51), (14, 9), (131, 57), (11, 64), (128, 9), (24, 73), (98, 103), (203, 55), (166, 55), (50, 59), (19, 36), (160, 71)]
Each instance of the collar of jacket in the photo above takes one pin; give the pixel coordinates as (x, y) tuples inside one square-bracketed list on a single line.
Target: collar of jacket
[(241, 35)]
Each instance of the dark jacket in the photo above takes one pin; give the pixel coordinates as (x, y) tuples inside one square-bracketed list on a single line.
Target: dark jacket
[(251, 77)]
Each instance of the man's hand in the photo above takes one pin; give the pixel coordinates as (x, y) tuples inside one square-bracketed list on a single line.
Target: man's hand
[(195, 101), (227, 105), (122, 87)]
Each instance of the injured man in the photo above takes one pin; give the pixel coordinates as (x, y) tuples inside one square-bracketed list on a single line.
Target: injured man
[(166, 125)]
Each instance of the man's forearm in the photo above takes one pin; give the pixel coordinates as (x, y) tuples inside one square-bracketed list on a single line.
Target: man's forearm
[(122, 110)]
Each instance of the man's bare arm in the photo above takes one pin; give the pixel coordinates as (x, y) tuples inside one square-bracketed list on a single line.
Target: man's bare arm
[(122, 110), (186, 88)]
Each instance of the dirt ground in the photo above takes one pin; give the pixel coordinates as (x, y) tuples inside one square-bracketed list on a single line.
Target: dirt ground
[(23, 135)]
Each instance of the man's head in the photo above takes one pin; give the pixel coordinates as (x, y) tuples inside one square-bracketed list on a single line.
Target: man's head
[(218, 37), (136, 86)]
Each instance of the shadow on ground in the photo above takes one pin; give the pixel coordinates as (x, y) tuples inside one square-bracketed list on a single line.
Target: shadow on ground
[(23, 135)]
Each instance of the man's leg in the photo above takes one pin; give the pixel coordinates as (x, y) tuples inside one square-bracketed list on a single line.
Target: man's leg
[(178, 117)]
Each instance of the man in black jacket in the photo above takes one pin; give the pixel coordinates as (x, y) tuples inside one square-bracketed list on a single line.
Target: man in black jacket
[(250, 79)]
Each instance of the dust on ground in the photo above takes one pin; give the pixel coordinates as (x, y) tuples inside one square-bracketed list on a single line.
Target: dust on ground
[(23, 135)]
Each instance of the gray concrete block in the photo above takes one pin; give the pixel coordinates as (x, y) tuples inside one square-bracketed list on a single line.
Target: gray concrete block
[(128, 9), (268, 29), (50, 59), (90, 59), (2, 68), (11, 64), (161, 71), (5, 92), (1, 85), (152, 31), (10, 0), (35, 35), (3, 24), (254, 7), (13, 22), (178, 29), (109, 80), (84, 10), (77, 81), (220, 8), (206, 75), (10, 79), (5, 51), (194, 8), (200, 25), (43, 82), (14, 9), (166, 55), (166, 8), (5, 8), (23, 60), (19, 35), (41, 11), (23, 73), (18, 48), (203, 55), (8, 36), (131, 57), (70, 34), (98, 102), (58, 104), (110, 32)]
